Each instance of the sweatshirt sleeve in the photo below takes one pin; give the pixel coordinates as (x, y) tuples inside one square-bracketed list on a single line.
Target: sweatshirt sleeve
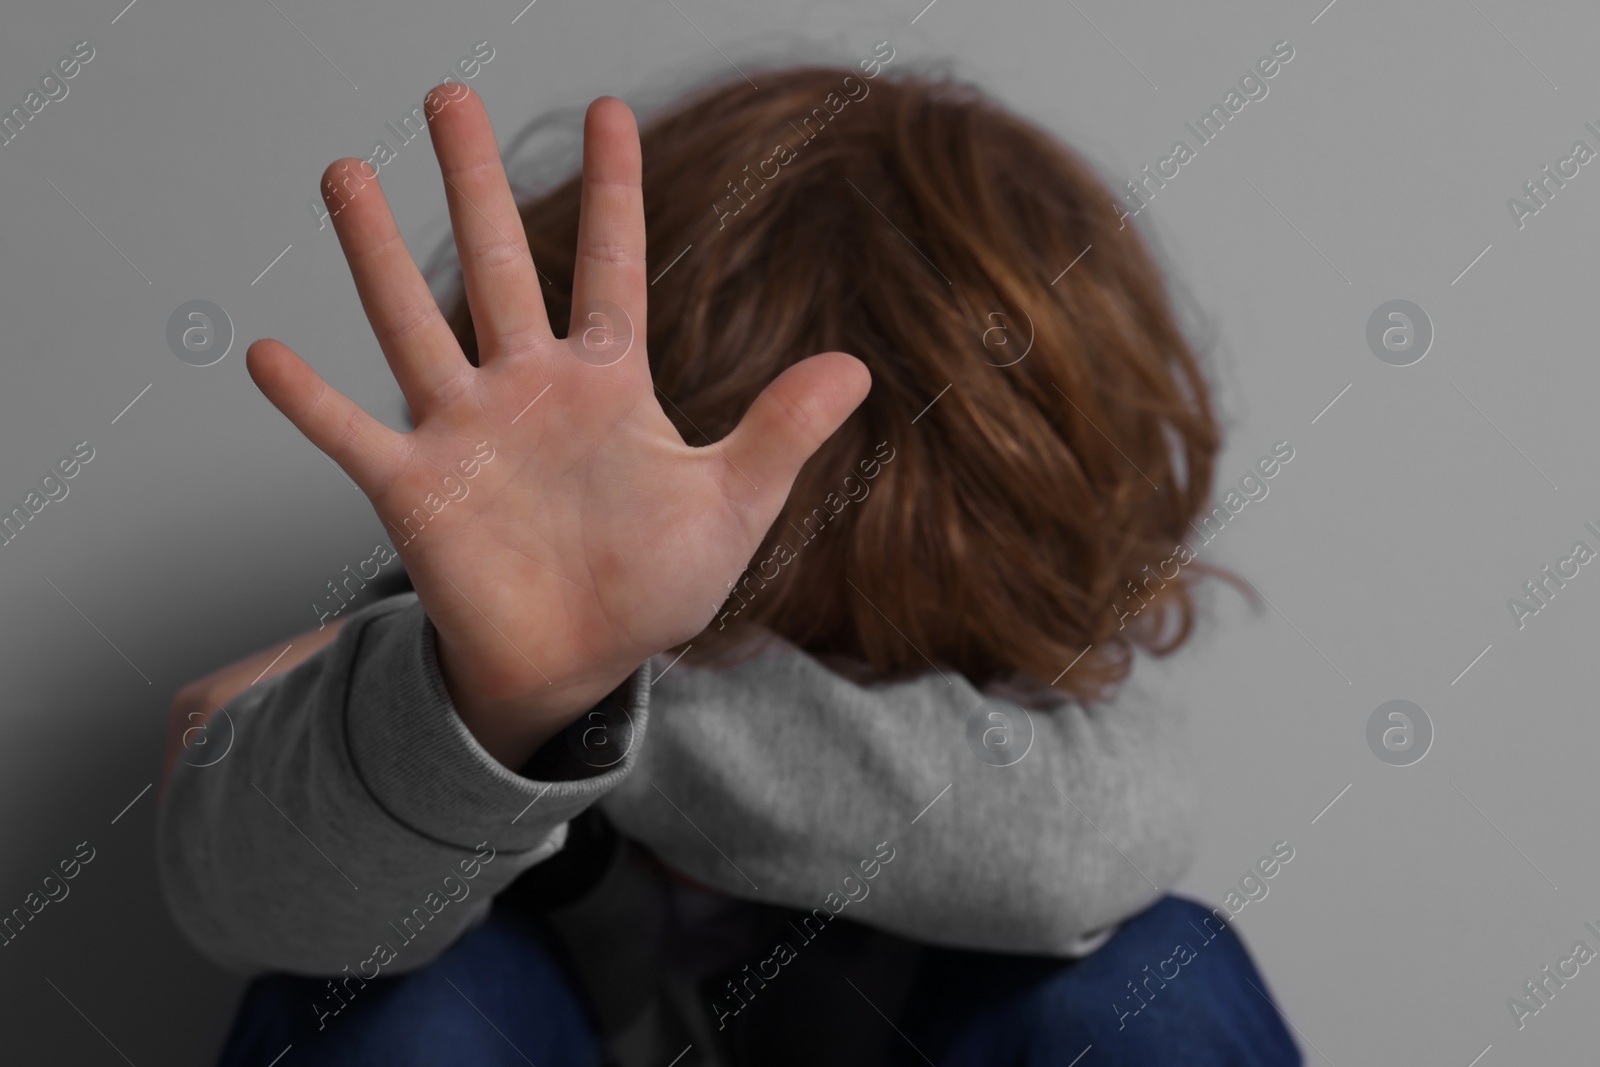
[(1007, 829), (341, 818)]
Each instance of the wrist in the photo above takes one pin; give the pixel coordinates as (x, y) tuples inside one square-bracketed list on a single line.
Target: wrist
[(513, 721)]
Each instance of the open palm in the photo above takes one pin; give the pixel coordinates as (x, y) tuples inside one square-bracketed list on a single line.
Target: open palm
[(595, 537)]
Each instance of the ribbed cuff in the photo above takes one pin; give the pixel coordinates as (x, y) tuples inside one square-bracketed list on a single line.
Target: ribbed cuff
[(422, 764)]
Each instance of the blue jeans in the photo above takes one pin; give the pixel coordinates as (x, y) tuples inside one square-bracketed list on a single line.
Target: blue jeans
[(1172, 987)]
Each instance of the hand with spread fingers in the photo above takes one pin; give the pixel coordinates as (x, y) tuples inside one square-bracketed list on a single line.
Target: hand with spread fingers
[(594, 537)]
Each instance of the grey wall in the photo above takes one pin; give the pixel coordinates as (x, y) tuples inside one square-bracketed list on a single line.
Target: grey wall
[(1377, 168)]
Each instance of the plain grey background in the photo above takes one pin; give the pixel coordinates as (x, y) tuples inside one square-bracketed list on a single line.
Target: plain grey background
[(1377, 168)]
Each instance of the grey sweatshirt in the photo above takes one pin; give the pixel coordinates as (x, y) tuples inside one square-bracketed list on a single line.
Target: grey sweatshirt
[(355, 824)]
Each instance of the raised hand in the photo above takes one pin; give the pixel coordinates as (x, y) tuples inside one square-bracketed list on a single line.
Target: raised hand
[(594, 537)]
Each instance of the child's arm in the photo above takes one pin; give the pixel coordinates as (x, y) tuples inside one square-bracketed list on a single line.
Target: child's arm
[(557, 529), (340, 814), (795, 775)]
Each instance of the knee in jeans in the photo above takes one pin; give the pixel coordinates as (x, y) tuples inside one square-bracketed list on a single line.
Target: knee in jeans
[(470, 1005)]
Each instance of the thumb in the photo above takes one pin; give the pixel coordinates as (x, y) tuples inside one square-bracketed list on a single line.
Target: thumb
[(788, 422)]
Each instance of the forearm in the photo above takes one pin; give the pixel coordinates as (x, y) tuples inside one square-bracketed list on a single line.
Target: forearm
[(797, 776), (354, 811)]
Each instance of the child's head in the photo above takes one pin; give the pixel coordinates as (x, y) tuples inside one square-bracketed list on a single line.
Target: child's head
[(1038, 434)]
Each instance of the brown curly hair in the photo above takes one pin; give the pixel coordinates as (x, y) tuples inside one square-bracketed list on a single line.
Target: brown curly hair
[(1048, 432)]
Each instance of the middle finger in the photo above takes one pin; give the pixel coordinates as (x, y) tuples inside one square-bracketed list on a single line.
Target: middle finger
[(501, 282)]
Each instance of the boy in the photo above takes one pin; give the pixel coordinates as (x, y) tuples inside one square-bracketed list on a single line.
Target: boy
[(900, 615)]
